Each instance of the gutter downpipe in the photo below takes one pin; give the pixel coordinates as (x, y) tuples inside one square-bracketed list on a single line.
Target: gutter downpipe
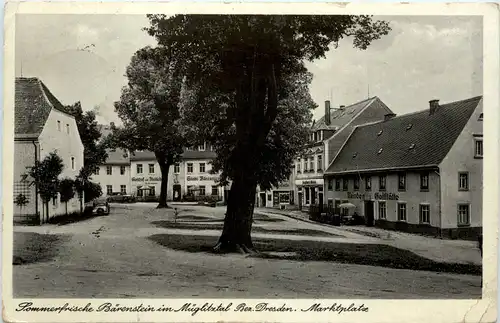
[(36, 185)]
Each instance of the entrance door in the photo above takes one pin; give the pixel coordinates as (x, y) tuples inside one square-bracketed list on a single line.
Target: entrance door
[(369, 214), (313, 195), (262, 202), (177, 192), (320, 198)]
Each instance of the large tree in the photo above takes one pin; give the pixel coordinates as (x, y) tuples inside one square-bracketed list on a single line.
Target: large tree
[(149, 110), (247, 65)]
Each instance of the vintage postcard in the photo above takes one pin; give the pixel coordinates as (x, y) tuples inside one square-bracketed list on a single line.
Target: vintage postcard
[(270, 162)]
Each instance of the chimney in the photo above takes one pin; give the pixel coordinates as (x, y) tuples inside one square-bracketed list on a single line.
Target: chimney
[(327, 112), (433, 106), (389, 116)]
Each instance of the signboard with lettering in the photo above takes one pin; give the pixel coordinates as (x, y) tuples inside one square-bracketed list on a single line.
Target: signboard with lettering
[(376, 196), (202, 178), (146, 179), (386, 196)]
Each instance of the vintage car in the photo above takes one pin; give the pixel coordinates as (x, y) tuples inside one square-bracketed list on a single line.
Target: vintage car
[(100, 207), (120, 198)]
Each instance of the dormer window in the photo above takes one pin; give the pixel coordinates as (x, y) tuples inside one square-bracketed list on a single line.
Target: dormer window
[(379, 133), (480, 117), (412, 146), (379, 151), (354, 155), (408, 127)]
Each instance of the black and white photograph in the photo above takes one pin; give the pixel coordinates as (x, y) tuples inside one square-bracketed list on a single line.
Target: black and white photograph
[(254, 158)]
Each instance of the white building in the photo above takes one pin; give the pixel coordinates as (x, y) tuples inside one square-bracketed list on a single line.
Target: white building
[(42, 126), (114, 175)]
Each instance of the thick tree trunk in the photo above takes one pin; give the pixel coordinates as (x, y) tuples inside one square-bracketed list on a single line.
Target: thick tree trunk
[(164, 168)]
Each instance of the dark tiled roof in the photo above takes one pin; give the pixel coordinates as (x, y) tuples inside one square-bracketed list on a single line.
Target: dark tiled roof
[(191, 154), (33, 103), (340, 117), (118, 157), (412, 140)]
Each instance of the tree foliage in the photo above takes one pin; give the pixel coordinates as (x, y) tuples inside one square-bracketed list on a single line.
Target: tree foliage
[(66, 191), (149, 110)]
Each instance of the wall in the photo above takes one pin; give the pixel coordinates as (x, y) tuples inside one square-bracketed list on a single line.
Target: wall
[(199, 179), (412, 196), (115, 179), (66, 145), (24, 159), (460, 158), (149, 179)]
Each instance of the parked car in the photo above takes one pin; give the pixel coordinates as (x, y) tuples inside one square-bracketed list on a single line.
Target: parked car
[(100, 207), (120, 198)]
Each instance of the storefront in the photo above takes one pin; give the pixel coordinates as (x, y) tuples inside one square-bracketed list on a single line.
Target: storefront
[(200, 186), (146, 186), (309, 192)]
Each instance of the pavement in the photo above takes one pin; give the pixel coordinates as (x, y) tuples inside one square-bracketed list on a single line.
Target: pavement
[(114, 257)]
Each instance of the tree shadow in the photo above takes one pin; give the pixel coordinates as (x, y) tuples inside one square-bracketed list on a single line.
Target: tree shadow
[(30, 247), (299, 250), (72, 218)]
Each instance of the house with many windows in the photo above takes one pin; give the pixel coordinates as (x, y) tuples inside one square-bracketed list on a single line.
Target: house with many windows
[(42, 126), (421, 172), (326, 138)]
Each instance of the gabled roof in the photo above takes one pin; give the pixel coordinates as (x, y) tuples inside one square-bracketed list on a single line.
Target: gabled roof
[(412, 140), (339, 117), (187, 154), (117, 157), (33, 103)]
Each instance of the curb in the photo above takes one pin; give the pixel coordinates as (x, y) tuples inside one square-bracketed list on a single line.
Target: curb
[(300, 219)]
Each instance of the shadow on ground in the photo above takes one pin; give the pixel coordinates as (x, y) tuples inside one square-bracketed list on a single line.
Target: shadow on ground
[(207, 225), (30, 247), (360, 254)]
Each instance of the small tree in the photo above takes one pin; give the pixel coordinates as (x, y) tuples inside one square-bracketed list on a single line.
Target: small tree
[(21, 200), (45, 175), (67, 191)]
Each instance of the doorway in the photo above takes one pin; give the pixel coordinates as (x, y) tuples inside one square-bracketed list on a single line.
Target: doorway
[(369, 214), (313, 195), (262, 201), (177, 192)]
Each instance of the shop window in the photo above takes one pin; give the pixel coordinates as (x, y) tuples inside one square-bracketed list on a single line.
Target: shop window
[(330, 184), (139, 193), (123, 189), (478, 148), (463, 181), (402, 182), (424, 181), (215, 190), (139, 168), (152, 191), (382, 210), (382, 182), (356, 183), (402, 212), (425, 214), (122, 170), (109, 170), (337, 184), (368, 183), (109, 189), (189, 168), (345, 184), (177, 169), (202, 167), (463, 214), (202, 191), (151, 168)]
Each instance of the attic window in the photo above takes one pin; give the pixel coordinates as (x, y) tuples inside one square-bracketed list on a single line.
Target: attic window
[(354, 155), (379, 133), (480, 117), (408, 127), (412, 146), (379, 151)]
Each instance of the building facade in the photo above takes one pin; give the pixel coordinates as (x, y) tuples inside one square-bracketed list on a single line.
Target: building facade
[(420, 172), (114, 175), (42, 126), (326, 138)]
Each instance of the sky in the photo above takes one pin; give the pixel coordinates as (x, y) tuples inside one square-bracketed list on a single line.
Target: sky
[(422, 58)]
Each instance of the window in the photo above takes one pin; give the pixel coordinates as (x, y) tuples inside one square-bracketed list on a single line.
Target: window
[(123, 189), (401, 211), (311, 164), (73, 163), (202, 190), (315, 138), (330, 184), (381, 182), (402, 182), (337, 184), (356, 183), (58, 125), (215, 190), (122, 170), (54, 200), (382, 210), (368, 183), (109, 189), (190, 168), (139, 193), (109, 170), (345, 184), (139, 168), (67, 128), (202, 167), (478, 148), (463, 181), (463, 214), (306, 164), (424, 181), (151, 168), (425, 214), (269, 197), (177, 169), (320, 162), (298, 167), (480, 117), (202, 147), (97, 170), (152, 191)]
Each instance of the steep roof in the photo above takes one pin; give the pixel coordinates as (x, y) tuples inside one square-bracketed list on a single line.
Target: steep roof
[(340, 117), (187, 154), (117, 157), (412, 140), (33, 103)]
